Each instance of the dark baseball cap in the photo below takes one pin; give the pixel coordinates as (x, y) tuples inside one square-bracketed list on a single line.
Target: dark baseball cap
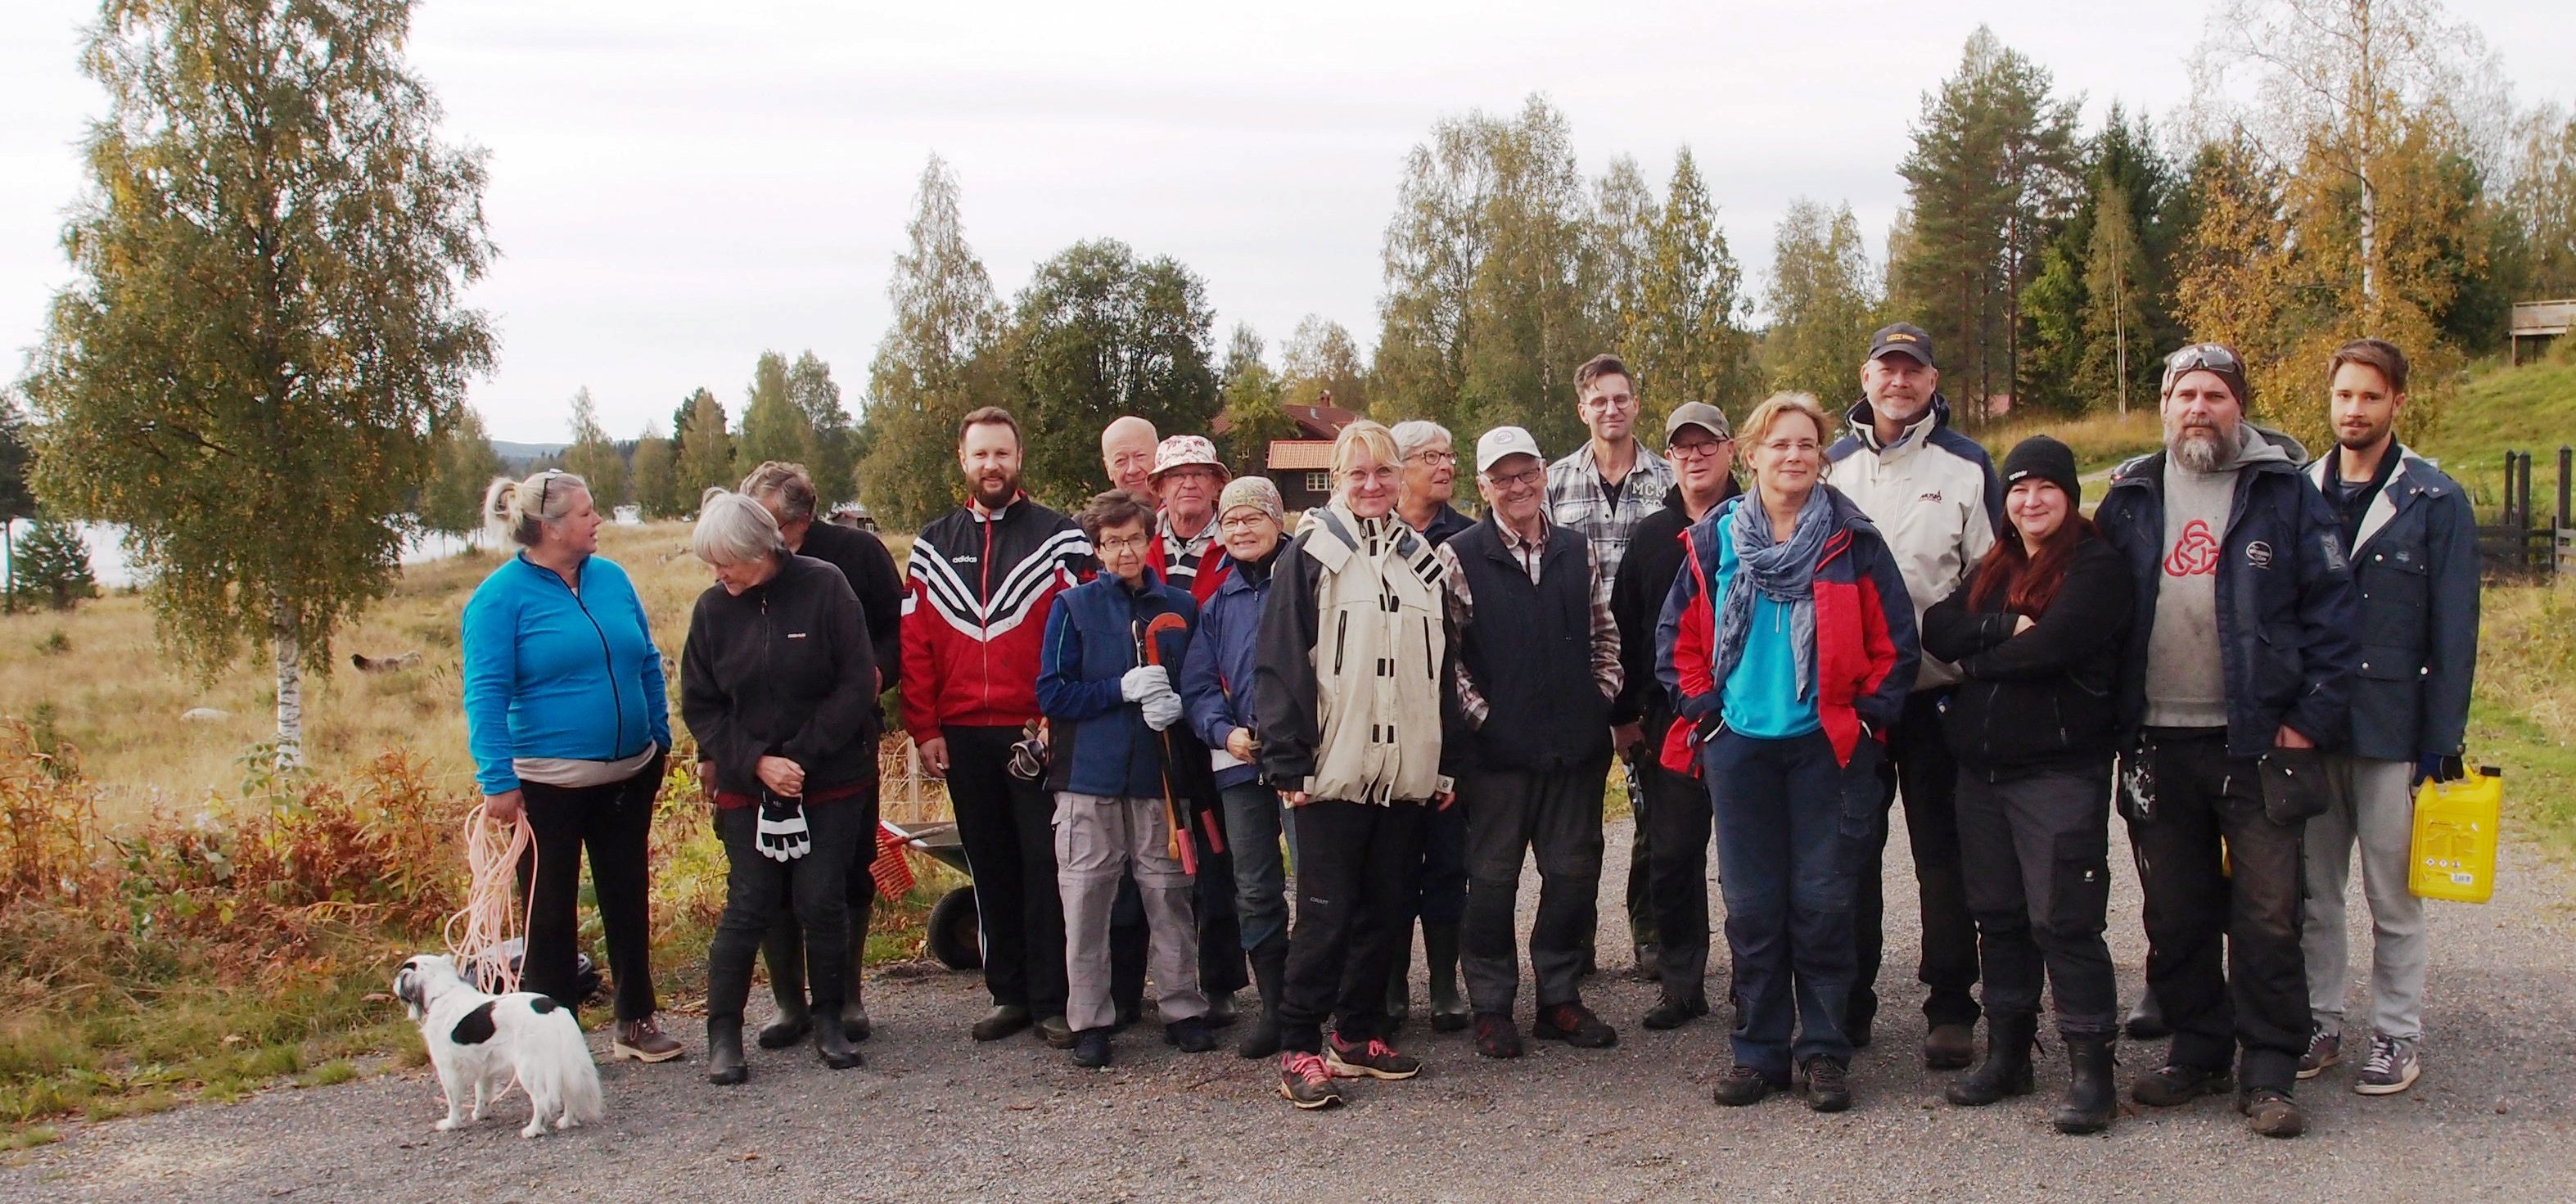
[(1903, 338)]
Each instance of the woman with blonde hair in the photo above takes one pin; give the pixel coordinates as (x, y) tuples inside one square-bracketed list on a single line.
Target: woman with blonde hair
[(567, 722), (1787, 646)]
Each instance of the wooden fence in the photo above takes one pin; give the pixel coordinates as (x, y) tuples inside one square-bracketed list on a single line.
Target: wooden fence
[(2522, 542)]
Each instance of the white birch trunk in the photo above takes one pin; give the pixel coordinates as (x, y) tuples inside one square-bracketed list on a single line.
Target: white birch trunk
[(288, 651)]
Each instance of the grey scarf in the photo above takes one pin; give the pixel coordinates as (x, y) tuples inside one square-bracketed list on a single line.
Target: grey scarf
[(1783, 572)]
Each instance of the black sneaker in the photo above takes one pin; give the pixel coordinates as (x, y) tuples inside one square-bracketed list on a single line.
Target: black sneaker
[(2172, 1085), (1669, 1012), (1190, 1035), (2324, 1050), (1575, 1025), (1743, 1085), (2272, 1113), (1091, 1048), (1828, 1084), (1372, 1059), (1496, 1037)]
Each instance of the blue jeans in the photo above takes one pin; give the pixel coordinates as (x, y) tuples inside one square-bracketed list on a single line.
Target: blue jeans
[(1792, 826), (1252, 821)]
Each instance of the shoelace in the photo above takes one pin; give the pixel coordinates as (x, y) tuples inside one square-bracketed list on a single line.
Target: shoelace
[(1309, 1067), (2383, 1056)]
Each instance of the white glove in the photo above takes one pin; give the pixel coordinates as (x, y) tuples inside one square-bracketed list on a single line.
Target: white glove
[(781, 833), (1143, 682), (1162, 710)]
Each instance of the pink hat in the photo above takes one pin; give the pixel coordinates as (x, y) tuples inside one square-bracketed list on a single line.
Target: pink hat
[(1181, 451)]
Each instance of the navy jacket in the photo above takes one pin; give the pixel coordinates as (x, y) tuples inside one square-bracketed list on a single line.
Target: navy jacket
[(1216, 678), (2415, 565), (1097, 740), (2285, 602)]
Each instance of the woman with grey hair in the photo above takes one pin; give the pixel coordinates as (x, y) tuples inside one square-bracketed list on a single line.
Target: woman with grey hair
[(567, 722), (1437, 895), (778, 684)]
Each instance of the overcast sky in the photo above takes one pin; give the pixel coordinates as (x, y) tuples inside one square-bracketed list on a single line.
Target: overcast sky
[(677, 186)]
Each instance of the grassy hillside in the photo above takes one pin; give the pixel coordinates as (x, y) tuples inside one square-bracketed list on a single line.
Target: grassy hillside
[(2531, 408)]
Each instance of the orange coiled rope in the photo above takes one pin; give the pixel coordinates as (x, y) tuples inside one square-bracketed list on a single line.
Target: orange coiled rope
[(477, 935)]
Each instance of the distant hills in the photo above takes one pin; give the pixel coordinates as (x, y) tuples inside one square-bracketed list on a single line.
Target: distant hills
[(520, 456)]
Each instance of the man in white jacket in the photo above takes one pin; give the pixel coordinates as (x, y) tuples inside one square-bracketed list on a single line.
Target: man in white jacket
[(1934, 496)]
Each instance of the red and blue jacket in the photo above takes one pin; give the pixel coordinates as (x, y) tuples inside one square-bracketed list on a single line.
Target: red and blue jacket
[(1866, 647), (975, 609)]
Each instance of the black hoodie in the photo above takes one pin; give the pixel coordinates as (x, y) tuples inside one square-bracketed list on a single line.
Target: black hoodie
[(784, 669)]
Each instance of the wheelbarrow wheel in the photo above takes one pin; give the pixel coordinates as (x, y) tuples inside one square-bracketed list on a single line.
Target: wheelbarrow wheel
[(956, 931)]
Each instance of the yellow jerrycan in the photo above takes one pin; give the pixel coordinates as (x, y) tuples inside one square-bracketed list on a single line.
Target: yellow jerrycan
[(2454, 854)]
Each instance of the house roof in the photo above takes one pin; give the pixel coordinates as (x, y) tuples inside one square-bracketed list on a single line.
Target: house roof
[(1300, 455), (1320, 421)]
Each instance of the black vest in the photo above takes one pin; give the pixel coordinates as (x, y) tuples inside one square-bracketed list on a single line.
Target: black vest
[(1529, 649)]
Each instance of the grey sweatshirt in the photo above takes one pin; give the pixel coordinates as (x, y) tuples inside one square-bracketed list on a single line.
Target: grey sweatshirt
[(2186, 681)]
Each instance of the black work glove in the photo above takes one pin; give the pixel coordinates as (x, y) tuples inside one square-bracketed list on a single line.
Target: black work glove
[(2435, 768), (781, 834)]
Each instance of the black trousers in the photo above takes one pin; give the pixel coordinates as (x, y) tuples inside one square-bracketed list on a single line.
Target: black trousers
[(2255, 999), (2037, 847), (1920, 769), (1353, 871), (615, 823), (784, 947), (1645, 917), (817, 885), (1677, 807), (1008, 828), (1555, 818)]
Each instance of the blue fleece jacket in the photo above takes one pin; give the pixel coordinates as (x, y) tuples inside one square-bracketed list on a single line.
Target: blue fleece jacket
[(552, 673)]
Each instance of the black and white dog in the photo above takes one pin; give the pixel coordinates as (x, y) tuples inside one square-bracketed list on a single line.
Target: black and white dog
[(481, 1042)]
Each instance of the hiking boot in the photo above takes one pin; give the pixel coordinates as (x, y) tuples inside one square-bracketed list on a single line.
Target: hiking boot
[(725, 1066), (1056, 1031), (789, 1030), (1856, 1031), (1669, 1012), (1949, 1046), (2091, 1099), (2273, 1113), (2146, 1021), (1305, 1082), (644, 1041), (1091, 1048), (1270, 974), (2390, 1069), (1649, 965), (1222, 1012), (2324, 1049), (1743, 1085), (1399, 983), (1128, 1015), (1002, 1021), (1496, 1037), (1190, 1035), (2172, 1085), (2006, 1070), (1828, 1084), (1372, 1059), (1575, 1025)]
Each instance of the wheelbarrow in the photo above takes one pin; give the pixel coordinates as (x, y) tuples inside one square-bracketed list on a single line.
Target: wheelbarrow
[(956, 929)]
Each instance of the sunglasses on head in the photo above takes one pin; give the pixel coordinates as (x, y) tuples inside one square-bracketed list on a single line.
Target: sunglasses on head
[(2212, 356)]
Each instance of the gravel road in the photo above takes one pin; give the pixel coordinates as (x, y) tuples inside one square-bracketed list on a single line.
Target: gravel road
[(935, 1116)]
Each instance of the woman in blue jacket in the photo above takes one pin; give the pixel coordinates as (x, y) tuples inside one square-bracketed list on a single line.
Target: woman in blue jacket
[(1118, 770), (567, 721), (1216, 689)]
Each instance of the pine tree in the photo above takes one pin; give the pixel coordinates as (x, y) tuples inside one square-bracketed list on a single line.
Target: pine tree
[(593, 458), (264, 326), (935, 363), (49, 565), (772, 427), (1694, 346)]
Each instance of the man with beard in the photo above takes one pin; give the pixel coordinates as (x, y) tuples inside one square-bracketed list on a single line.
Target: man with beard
[(1932, 493), (2240, 663), (981, 580), (2414, 545), (1701, 448)]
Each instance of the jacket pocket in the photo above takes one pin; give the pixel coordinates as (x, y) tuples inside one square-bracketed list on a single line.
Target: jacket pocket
[(2294, 785), (2277, 675), (1863, 793)]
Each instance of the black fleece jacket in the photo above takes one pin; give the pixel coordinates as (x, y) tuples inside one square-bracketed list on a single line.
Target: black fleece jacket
[(784, 669), (2047, 697)]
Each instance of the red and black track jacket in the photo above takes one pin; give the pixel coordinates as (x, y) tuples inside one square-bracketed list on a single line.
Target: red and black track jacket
[(975, 605)]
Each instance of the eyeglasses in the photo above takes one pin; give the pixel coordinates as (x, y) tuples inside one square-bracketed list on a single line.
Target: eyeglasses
[(1694, 451), (1244, 522), (546, 485), (1525, 478), (1435, 459), (2213, 356), (1137, 543)]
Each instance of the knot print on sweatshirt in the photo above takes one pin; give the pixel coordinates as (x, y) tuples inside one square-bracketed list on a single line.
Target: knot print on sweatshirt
[(2195, 554)]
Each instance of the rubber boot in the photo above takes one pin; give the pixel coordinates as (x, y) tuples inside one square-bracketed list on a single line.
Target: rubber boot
[(2006, 1070), (784, 949), (2091, 1098), (1399, 982), (1449, 1011), (2146, 1021), (725, 1066), (854, 1010), (830, 1042), (1270, 976)]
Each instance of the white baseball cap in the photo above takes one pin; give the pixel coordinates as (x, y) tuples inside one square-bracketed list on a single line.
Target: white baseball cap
[(1505, 441)]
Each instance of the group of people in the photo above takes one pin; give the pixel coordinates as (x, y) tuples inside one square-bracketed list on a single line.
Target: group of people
[(1153, 714)]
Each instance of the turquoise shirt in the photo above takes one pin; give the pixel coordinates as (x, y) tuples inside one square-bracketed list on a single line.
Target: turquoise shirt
[(551, 673), (1761, 698)]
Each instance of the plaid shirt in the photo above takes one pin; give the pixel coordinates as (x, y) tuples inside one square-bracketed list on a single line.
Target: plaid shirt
[(1575, 498), (1607, 671)]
